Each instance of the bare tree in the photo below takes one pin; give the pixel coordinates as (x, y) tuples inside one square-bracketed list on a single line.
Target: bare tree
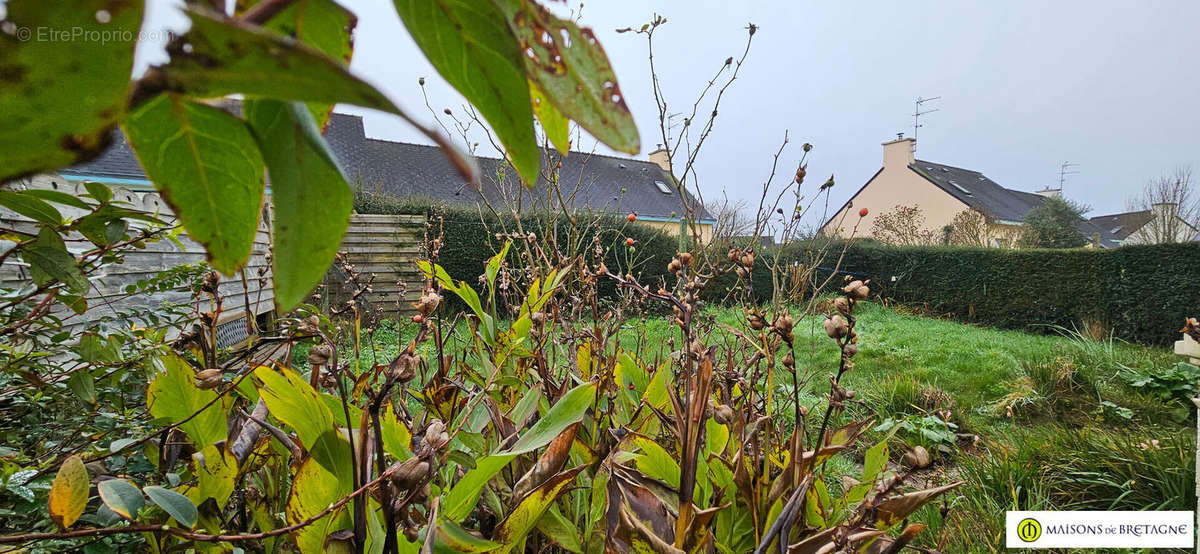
[(1173, 201), (970, 228), (904, 226), (733, 219)]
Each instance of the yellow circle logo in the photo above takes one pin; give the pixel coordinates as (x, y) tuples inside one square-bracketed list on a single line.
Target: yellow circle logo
[(1029, 529)]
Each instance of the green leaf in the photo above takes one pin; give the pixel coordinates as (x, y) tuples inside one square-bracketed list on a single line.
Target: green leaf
[(656, 462), (875, 460), (529, 510), (461, 500), (453, 537), (568, 410), (173, 395), (208, 168), (222, 56), (30, 206), (470, 44), (176, 505), (60, 98), (69, 492), (323, 25), (98, 191), (311, 197), (59, 197), (556, 126), (83, 385), (556, 526), (293, 401), (216, 475), (122, 497), (49, 261), (570, 67), (396, 436), (313, 489), (716, 436)]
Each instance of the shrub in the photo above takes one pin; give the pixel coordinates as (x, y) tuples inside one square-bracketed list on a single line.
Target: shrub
[(1143, 293)]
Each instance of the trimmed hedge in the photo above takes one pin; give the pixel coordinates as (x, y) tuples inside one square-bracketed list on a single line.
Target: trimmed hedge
[(1142, 293)]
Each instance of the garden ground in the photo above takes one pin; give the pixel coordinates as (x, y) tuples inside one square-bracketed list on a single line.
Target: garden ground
[(1029, 421)]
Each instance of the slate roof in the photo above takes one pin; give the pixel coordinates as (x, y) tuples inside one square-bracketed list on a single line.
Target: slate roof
[(976, 190), (1115, 228), (587, 181)]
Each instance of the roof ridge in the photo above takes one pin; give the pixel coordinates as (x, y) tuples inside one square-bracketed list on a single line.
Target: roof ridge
[(949, 166), (1120, 214), (497, 158)]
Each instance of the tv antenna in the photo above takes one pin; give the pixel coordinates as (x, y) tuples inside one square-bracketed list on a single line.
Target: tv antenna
[(917, 112), (673, 123), (1063, 171)]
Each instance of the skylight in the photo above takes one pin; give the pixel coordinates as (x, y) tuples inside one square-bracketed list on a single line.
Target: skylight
[(662, 187), (959, 187), (1116, 230)]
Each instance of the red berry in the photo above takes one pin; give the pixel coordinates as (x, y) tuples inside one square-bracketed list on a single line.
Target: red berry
[(632, 217), (631, 387), (863, 212), (629, 241), (418, 318)]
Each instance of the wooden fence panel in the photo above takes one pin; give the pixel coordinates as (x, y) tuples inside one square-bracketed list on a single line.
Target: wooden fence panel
[(107, 296), (386, 246)]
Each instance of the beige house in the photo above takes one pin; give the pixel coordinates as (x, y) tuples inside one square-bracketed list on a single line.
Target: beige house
[(942, 192)]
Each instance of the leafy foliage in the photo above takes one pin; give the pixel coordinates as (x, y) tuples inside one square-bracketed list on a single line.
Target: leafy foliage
[(1054, 224)]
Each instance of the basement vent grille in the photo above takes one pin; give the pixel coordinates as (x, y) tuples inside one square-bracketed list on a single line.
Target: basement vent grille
[(232, 333)]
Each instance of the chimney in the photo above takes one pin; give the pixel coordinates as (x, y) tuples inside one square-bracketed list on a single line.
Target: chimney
[(1164, 210), (898, 153), (1049, 192), (660, 157)]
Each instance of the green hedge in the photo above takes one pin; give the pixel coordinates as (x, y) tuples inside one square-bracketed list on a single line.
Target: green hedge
[(1141, 293)]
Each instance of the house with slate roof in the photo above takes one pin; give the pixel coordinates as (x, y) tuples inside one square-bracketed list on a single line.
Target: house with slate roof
[(587, 182), (943, 191)]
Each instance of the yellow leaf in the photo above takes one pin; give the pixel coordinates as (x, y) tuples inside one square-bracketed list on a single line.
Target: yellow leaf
[(69, 493)]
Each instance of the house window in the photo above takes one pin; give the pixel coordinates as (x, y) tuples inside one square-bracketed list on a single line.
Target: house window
[(662, 187), (960, 187)]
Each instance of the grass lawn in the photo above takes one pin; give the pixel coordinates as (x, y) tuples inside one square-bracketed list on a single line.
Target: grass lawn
[(1029, 421)]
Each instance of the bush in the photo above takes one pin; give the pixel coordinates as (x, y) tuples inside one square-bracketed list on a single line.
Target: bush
[(1143, 293)]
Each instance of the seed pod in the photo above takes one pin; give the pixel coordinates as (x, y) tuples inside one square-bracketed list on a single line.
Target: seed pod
[(209, 379), (309, 325), (789, 361), (784, 324), (406, 474), (723, 414), (917, 458), (851, 286), (320, 354), (747, 260), (842, 305), (685, 258), (733, 254), (836, 327), (435, 434)]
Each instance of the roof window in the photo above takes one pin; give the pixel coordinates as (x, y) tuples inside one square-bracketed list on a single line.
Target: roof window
[(662, 187), (959, 187)]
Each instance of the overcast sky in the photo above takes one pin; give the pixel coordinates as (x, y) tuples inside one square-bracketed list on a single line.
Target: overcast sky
[(1024, 85)]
